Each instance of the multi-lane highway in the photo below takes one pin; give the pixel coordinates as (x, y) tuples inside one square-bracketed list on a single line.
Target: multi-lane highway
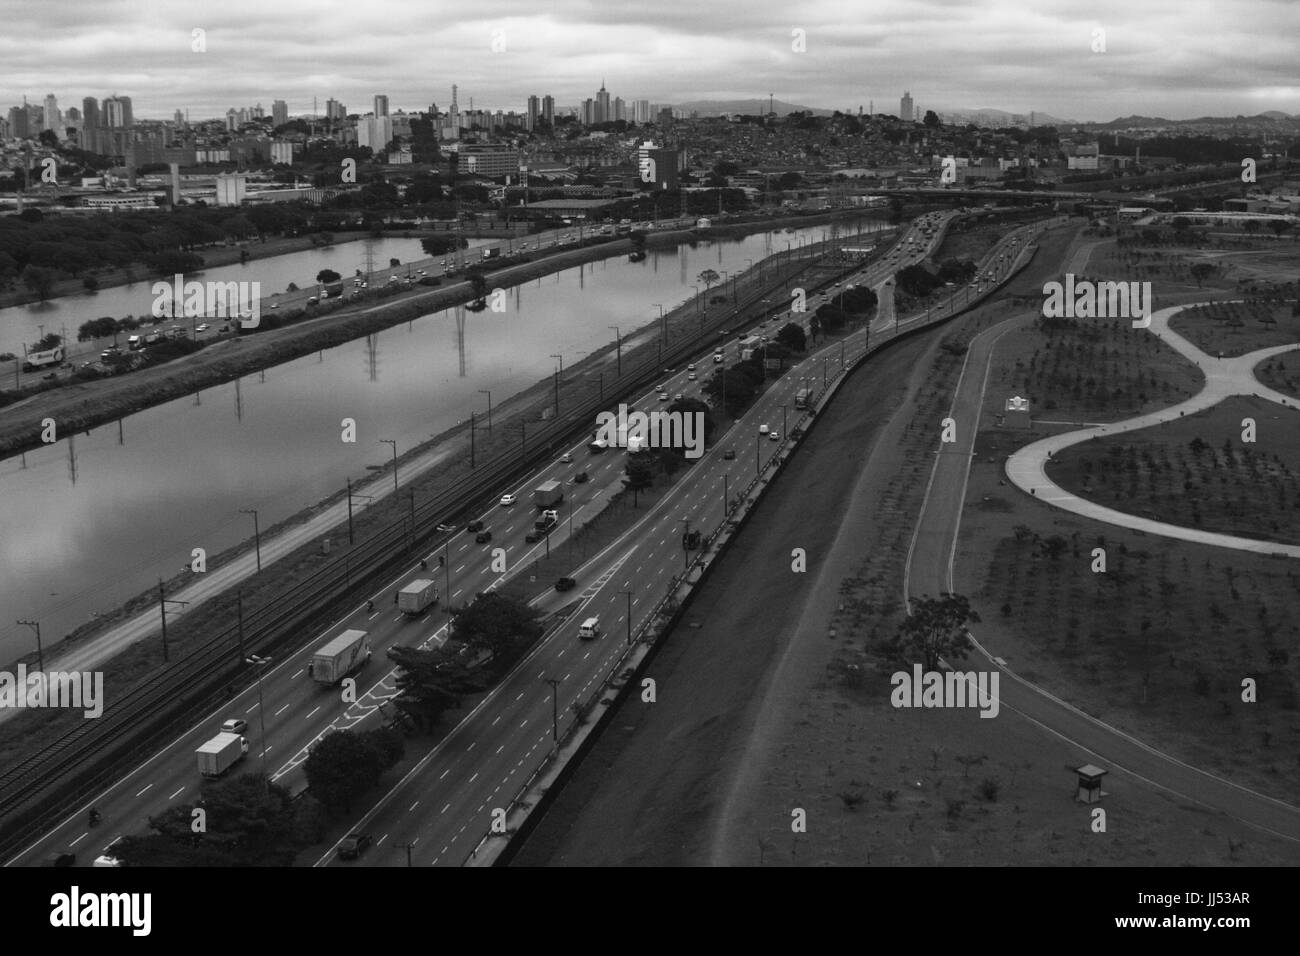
[(445, 803)]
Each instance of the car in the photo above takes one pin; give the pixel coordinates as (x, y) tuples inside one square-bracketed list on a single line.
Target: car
[(474, 526), (774, 435), (663, 396), (565, 584), (508, 500), (109, 353), (313, 300), (550, 515), (444, 528), (580, 478), (717, 359), (762, 429), (202, 328), (567, 458), (669, 371), (677, 397), (534, 536), (423, 273), (691, 367), (729, 454), (61, 858), (690, 377), (234, 726), (483, 537), (353, 845), (106, 860)]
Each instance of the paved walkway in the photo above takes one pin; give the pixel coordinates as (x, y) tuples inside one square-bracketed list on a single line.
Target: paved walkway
[(1224, 378)]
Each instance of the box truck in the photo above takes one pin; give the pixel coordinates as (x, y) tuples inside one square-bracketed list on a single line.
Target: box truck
[(36, 360), (548, 494), (417, 597), (342, 656), (221, 753)]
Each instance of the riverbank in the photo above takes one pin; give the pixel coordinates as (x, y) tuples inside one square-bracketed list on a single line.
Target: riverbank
[(85, 405)]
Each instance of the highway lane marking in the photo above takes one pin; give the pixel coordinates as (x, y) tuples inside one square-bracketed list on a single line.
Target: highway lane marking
[(471, 780), (281, 710), (141, 793), (296, 675), (521, 696), (501, 748), (471, 746), (444, 810), (174, 795), (78, 839), (445, 772), (309, 716), (413, 806), (382, 838), (460, 569), (525, 723), (457, 592), (370, 618), (251, 709), (498, 716)]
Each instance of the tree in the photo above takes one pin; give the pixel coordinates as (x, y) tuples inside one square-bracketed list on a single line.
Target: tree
[(326, 276), (931, 119), (1201, 271), (708, 277), (793, 337), (477, 281), (38, 280), (98, 329), (48, 341), (495, 622), (639, 474), (935, 629), (1279, 226), (343, 765)]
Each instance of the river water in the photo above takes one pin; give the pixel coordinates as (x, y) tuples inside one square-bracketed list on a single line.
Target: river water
[(96, 518)]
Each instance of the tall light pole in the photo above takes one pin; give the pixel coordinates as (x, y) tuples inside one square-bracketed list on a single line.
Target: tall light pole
[(618, 337), (555, 707), (390, 441), (352, 494), (488, 393), (40, 655), (663, 326), (260, 663), (628, 592), (257, 534), (162, 607)]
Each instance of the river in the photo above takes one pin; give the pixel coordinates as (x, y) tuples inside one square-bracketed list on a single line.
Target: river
[(96, 518)]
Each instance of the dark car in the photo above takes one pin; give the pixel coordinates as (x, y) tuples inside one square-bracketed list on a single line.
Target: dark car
[(483, 537), (353, 845), (473, 526), (565, 584), (534, 536), (729, 454), (580, 478), (61, 858)]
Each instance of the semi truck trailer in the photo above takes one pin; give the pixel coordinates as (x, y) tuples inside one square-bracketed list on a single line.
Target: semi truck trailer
[(417, 597), (548, 494), (342, 656)]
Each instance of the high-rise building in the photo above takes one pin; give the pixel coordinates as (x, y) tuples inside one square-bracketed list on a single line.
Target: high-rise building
[(602, 113), (620, 110), (117, 112), (381, 104), (53, 117), (640, 111), (334, 110), (534, 111), (18, 127), (279, 113), (588, 116), (548, 110), (905, 110)]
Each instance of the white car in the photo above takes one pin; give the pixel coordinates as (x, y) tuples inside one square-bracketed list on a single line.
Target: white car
[(775, 436), (508, 500), (663, 396), (567, 458), (203, 328), (691, 367), (691, 377), (763, 429)]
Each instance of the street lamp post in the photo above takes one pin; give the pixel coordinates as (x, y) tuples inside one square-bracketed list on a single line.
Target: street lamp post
[(260, 663), (555, 707), (628, 592), (393, 442), (257, 534), (618, 336), (663, 326), (352, 494), (488, 393), (40, 655)]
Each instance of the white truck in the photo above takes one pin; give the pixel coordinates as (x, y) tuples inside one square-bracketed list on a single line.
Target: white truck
[(46, 359), (417, 596), (221, 753), (342, 656)]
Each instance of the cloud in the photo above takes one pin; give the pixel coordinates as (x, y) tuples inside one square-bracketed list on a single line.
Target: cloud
[(1178, 59)]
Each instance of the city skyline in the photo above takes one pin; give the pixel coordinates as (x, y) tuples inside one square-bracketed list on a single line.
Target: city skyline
[(1174, 60)]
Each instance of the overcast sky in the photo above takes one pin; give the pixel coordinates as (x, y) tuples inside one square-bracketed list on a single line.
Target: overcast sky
[(1176, 59)]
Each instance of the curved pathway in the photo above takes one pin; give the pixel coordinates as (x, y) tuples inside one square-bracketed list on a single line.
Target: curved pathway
[(1224, 378)]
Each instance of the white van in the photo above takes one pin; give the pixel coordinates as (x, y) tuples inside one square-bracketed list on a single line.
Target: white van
[(590, 629)]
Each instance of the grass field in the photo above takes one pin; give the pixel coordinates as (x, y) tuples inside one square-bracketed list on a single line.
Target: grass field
[(1095, 369), (1235, 328), (1197, 472), (1281, 373)]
